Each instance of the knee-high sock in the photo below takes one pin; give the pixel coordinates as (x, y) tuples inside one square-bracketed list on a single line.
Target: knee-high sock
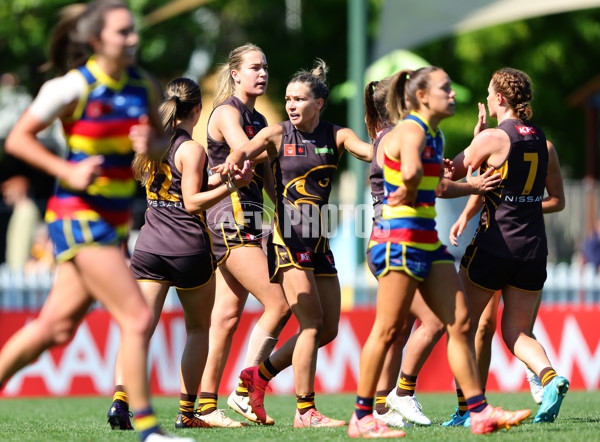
[(260, 346)]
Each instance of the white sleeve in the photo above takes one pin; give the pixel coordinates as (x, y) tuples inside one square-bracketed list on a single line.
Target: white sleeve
[(56, 94)]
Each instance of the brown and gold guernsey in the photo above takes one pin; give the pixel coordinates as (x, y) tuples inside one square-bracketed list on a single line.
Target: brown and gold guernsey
[(512, 223), (169, 229), (237, 219), (303, 170)]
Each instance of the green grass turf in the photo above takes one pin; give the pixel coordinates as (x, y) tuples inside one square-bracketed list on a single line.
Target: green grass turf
[(83, 419)]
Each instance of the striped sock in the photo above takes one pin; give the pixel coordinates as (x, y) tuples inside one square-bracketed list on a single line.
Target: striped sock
[(187, 402), (477, 403), (207, 403), (120, 394), (145, 423), (241, 390), (267, 371), (305, 402), (380, 404), (546, 375), (363, 406), (462, 402), (406, 385)]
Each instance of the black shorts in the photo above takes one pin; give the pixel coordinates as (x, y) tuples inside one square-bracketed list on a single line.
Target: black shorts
[(322, 264), (226, 238), (493, 273), (183, 272)]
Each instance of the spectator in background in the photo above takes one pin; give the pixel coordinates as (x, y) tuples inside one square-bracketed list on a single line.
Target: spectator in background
[(23, 222), (591, 247), (41, 258)]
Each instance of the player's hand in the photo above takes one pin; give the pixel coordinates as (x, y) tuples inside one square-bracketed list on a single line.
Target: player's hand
[(80, 175), (401, 197), (483, 183), (243, 177), (481, 120), (146, 140), (457, 229), (448, 168)]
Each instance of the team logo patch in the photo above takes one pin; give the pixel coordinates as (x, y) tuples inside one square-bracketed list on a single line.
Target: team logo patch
[(303, 257), (525, 130), (251, 237), (294, 150), (96, 108), (250, 132), (428, 153)]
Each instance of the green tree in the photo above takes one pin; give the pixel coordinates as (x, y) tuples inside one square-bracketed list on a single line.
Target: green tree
[(556, 51)]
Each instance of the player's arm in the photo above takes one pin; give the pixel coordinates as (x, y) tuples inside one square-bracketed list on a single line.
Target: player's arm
[(474, 205), (190, 159), (266, 140), (474, 185), (346, 139), (555, 201), (221, 126), (58, 98), (483, 146), (405, 143)]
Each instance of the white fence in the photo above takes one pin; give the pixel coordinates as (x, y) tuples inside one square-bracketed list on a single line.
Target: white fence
[(573, 283)]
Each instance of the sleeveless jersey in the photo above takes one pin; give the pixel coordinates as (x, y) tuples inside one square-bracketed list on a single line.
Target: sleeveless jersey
[(245, 206), (100, 126), (303, 170), (376, 175), (413, 226), (512, 222), (169, 230)]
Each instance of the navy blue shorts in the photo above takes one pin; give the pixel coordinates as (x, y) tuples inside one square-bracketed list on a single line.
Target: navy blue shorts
[(401, 257)]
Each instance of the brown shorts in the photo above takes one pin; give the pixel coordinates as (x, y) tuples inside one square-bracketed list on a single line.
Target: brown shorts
[(183, 272), (322, 264), (494, 273)]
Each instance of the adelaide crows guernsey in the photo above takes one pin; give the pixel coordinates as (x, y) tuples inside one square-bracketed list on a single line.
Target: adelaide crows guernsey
[(412, 225), (303, 173), (512, 222), (169, 229), (100, 126)]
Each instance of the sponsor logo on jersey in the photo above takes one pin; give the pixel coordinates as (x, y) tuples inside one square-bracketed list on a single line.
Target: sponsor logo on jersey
[(294, 150), (250, 132), (303, 257), (309, 141), (324, 149), (163, 203), (330, 259), (523, 198), (525, 130)]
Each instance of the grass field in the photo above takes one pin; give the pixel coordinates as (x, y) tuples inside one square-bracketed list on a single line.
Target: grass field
[(83, 419)]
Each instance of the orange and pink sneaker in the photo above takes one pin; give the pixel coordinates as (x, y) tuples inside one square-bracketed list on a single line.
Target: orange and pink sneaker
[(312, 418), (256, 391), (370, 428), (492, 419)]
